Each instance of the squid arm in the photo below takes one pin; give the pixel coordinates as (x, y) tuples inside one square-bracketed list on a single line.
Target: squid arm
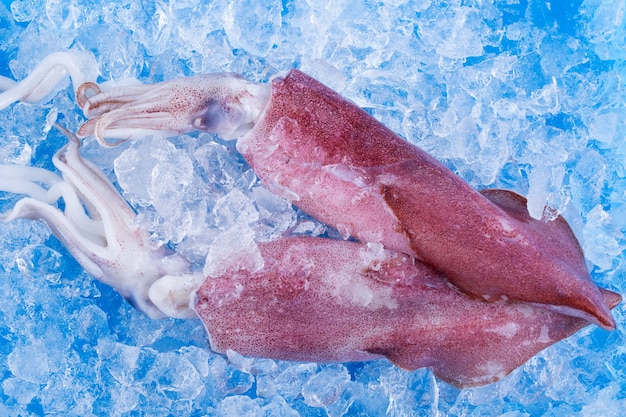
[(81, 66), (96, 225)]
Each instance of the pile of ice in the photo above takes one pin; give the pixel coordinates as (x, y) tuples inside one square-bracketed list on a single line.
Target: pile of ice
[(520, 95)]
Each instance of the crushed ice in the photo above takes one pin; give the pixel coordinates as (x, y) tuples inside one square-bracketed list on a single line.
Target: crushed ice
[(521, 95)]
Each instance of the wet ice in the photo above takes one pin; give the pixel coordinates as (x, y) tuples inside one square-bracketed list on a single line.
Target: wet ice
[(503, 93)]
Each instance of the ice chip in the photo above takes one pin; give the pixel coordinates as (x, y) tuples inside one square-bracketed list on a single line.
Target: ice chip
[(455, 33), (561, 54), (40, 260), (603, 403), (92, 323), (62, 14), (546, 99), (325, 387), (538, 191), (24, 10), (289, 381), (156, 180), (278, 407), (234, 209), (23, 391), (604, 127), (237, 406), (121, 359), (170, 179), (276, 214), (605, 27), (253, 366), (153, 31), (15, 152), (232, 248), (31, 363), (223, 379), (172, 372), (589, 178), (600, 239), (253, 25), (134, 172), (120, 57)]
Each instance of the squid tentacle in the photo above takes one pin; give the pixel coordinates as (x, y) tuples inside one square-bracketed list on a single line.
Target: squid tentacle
[(96, 225), (223, 103), (106, 124), (23, 180), (64, 229), (94, 100), (81, 66)]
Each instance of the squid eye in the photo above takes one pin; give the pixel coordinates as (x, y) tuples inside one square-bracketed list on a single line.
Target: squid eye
[(211, 118), (218, 117)]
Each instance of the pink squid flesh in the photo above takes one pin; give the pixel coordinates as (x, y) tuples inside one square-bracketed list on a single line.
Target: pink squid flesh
[(324, 300), (345, 168)]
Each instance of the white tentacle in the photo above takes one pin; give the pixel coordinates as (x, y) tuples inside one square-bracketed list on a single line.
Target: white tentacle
[(98, 228), (81, 66), (225, 104)]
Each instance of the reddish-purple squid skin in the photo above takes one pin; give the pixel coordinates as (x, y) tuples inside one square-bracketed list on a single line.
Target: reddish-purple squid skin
[(340, 165), (317, 300)]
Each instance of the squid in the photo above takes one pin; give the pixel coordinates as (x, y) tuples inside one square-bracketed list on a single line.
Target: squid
[(326, 300), (340, 165), (334, 300), (438, 275)]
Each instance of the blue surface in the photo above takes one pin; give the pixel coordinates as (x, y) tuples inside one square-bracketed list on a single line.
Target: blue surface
[(525, 95)]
